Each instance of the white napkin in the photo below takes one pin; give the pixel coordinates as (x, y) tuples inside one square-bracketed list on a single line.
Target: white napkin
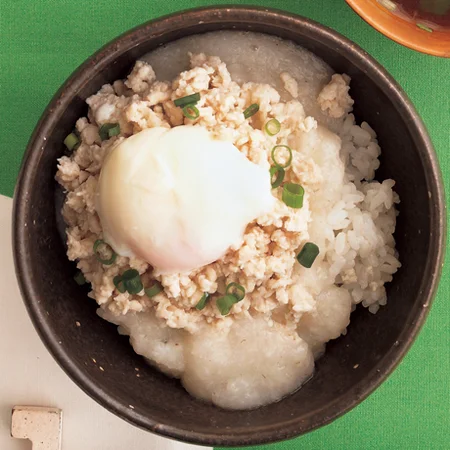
[(30, 376)]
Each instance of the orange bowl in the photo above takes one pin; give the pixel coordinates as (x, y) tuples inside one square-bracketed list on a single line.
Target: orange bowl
[(377, 14)]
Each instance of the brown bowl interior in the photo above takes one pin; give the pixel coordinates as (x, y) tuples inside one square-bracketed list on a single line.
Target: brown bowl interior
[(375, 343)]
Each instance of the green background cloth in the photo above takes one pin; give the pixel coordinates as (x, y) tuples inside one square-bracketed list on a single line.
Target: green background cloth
[(43, 41)]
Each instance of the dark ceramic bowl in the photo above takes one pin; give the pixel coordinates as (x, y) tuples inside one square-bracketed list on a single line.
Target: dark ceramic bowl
[(376, 343)]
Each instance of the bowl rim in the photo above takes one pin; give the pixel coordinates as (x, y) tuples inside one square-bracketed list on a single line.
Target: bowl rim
[(244, 15), (401, 31)]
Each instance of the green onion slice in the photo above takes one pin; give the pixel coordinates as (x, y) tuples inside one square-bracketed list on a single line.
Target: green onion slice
[(108, 130), (225, 303), (188, 100), (114, 131), (292, 195), (278, 149), (153, 290), (276, 176), (119, 284), (235, 289), (130, 274), (71, 141), (101, 248), (191, 112), (251, 110), (132, 281), (202, 302), (272, 127), (308, 254), (424, 27), (129, 281), (79, 278)]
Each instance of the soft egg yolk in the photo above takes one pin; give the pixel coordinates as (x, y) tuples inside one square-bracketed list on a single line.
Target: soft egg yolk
[(179, 199)]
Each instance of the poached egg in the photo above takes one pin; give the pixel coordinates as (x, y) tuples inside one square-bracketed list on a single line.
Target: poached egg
[(178, 198)]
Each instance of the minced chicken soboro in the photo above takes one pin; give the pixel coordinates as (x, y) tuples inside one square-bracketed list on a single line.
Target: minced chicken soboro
[(265, 347)]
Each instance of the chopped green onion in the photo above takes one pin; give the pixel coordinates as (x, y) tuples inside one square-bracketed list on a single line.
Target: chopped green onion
[(308, 254), (235, 289), (202, 302), (251, 110), (108, 130), (424, 27), (191, 112), (273, 127), (79, 278), (132, 281), (130, 274), (103, 131), (279, 172), (114, 131), (276, 162), (129, 281), (133, 286), (153, 290), (119, 284), (188, 100), (101, 247), (71, 141), (225, 303), (292, 195), (234, 293)]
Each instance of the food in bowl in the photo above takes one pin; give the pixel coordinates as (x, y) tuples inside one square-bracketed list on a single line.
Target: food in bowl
[(228, 220)]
